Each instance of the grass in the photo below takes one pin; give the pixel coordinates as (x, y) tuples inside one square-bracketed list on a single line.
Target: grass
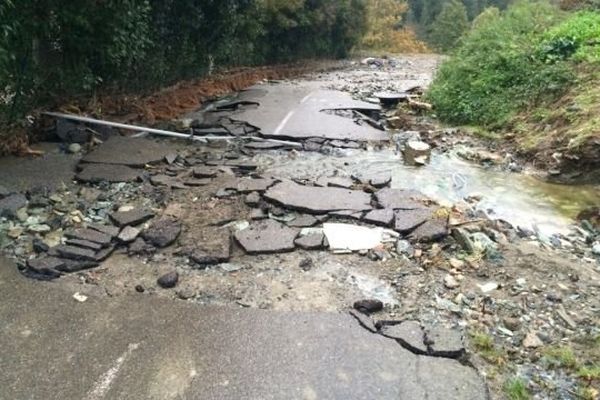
[(561, 357), (516, 389), (588, 393), (485, 347), (589, 373)]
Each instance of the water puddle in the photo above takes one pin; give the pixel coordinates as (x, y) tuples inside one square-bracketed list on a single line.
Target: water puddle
[(518, 198)]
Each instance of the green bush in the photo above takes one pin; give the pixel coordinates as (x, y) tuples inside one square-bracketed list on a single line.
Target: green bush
[(499, 69)]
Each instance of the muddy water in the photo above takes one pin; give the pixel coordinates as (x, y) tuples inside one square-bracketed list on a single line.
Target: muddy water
[(518, 198)]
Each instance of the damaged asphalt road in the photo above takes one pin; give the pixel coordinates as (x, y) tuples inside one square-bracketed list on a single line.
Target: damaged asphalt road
[(191, 262), (157, 349)]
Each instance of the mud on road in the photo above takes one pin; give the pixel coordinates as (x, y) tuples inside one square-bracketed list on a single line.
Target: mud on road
[(317, 225)]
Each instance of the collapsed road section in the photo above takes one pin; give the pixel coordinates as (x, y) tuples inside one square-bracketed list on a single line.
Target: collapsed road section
[(290, 234)]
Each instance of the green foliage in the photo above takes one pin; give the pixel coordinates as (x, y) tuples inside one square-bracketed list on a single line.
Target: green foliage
[(499, 68), (516, 389), (423, 15), (55, 48), (451, 23), (578, 37), (589, 373), (562, 357)]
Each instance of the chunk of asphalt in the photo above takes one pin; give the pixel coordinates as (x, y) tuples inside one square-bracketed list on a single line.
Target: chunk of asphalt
[(47, 266), (303, 221), (109, 230), (313, 241), (86, 244), (380, 181), (364, 320), (318, 200), (134, 152), (104, 253), (335, 181), (133, 217), (204, 172), (10, 204), (95, 173), (409, 334), (383, 217), (247, 185), (207, 257), (139, 246), (74, 253), (399, 199), (408, 220), (444, 342), (89, 235), (163, 232), (71, 266), (266, 236), (432, 230)]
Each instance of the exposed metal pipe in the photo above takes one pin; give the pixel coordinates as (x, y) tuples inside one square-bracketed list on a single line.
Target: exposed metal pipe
[(162, 132)]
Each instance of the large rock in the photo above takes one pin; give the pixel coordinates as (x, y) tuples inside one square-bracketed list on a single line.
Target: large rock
[(169, 280), (11, 204), (318, 200), (416, 152), (95, 173), (135, 152), (266, 237)]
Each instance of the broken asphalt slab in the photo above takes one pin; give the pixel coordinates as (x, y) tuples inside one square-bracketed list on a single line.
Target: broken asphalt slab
[(266, 236), (292, 112), (130, 151), (122, 347), (95, 173), (49, 171), (318, 200)]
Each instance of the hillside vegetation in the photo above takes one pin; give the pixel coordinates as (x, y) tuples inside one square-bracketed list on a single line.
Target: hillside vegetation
[(531, 71), (57, 48)]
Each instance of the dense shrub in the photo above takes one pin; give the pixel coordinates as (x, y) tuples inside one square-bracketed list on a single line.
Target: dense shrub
[(501, 66), (51, 48)]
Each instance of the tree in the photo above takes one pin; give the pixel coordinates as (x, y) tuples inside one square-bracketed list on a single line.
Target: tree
[(385, 30), (449, 26)]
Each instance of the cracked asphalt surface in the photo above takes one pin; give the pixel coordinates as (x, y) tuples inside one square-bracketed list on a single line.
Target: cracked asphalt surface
[(55, 347)]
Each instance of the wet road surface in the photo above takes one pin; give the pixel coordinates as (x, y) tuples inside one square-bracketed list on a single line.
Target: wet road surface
[(54, 347)]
